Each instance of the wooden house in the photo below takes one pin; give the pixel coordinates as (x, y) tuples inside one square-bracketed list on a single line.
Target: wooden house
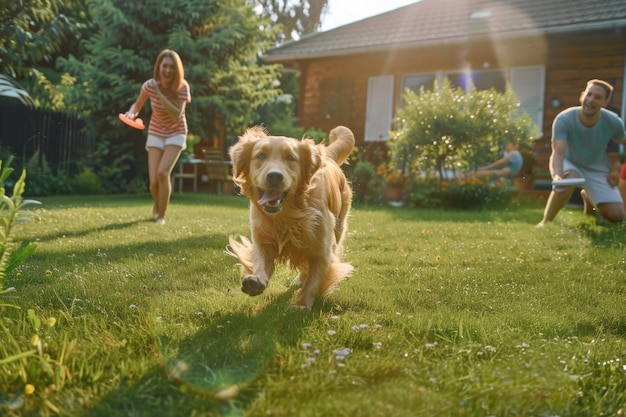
[(354, 75)]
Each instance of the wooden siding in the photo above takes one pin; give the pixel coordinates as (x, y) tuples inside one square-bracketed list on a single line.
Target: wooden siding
[(570, 61), (578, 58), (574, 60)]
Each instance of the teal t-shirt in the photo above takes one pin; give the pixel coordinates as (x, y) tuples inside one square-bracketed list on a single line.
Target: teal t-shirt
[(515, 162), (587, 146)]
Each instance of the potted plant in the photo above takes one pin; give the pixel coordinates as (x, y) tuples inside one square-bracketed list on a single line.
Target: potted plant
[(394, 182)]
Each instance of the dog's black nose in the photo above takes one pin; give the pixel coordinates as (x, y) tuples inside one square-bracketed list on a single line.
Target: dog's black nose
[(274, 178)]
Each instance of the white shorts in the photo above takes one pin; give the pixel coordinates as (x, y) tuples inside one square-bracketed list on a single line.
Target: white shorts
[(160, 142), (596, 185)]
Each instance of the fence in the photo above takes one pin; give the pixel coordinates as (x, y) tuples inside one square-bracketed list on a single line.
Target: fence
[(59, 138)]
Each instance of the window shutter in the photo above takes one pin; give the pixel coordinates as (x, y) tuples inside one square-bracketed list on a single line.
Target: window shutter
[(529, 85), (378, 117)]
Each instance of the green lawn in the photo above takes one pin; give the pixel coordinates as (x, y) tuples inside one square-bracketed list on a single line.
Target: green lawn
[(449, 313)]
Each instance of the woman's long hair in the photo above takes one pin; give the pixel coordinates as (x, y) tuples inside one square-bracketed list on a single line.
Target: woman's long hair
[(179, 76)]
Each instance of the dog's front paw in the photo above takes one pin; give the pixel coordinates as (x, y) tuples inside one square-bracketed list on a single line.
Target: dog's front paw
[(253, 285), (304, 300)]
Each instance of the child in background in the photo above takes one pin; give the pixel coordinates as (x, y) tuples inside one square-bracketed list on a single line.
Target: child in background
[(509, 165)]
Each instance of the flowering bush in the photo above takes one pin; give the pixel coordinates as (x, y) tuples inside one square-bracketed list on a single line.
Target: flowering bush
[(460, 192), (392, 177), (395, 178), (450, 130)]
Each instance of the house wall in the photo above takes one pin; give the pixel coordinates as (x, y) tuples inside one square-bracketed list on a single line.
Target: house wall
[(573, 60), (334, 89), (349, 75)]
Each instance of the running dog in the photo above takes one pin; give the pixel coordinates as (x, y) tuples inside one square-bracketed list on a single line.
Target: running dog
[(300, 199)]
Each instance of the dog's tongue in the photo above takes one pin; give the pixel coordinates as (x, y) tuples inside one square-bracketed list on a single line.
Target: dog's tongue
[(269, 196)]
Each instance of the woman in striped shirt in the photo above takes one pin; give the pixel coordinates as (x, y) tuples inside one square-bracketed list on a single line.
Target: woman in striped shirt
[(168, 93)]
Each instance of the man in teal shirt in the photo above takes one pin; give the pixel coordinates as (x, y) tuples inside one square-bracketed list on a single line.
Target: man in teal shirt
[(584, 145)]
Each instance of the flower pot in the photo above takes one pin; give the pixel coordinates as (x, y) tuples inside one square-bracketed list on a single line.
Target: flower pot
[(392, 193), (524, 183)]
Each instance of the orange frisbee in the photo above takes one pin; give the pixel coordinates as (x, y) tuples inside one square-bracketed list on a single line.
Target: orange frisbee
[(137, 123)]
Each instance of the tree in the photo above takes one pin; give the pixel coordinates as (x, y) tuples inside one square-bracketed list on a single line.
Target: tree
[(219, 42), (291, 19), (295, 18), (30, 32), (32, 35)]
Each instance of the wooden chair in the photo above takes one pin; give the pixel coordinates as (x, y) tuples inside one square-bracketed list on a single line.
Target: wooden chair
[(217, 168), (182, 175)]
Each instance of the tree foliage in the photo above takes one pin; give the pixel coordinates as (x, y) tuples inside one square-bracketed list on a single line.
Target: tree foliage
[(448, 130), (218, 40), (31, 31), (294, 18)]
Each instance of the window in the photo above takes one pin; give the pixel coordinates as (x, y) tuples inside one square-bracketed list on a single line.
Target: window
[(415, 81), (527, 82), (482, 80)]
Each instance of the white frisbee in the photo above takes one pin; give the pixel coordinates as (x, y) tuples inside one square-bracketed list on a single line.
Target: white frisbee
[(569, 182)]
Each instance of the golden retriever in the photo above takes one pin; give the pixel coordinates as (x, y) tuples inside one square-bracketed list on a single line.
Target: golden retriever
[(300, 200)]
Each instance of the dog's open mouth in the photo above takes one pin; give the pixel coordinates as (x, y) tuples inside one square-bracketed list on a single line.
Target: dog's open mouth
[(271, 200)]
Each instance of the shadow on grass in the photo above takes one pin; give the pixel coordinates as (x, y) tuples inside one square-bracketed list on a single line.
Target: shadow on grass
[(153, 248), (201, 199), (229, 350), (134, 200), (610, 323), (122, 201), (603, 233), (63, 234), (513, 213)]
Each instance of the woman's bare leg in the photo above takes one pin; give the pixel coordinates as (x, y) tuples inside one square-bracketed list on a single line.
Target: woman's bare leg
[(164, 170), (154, 158)]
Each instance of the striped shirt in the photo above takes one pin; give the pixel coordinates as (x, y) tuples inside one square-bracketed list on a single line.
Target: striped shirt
[(161, 124)]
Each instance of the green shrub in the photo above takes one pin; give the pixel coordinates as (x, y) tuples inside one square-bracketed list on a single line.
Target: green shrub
[(138, 185), (44, 179), (460, 192), (366, 184), (111, 164), (446, 131), (87, 182)]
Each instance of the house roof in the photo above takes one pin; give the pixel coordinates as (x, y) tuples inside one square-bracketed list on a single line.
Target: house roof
[(440, 22)]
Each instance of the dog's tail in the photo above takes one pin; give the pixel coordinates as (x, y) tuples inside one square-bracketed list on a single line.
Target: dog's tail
[(337, 272), (341, 144), (241, 250)]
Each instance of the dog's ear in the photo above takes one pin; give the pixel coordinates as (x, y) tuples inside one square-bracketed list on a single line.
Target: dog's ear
[(241, 153), (310, 160)]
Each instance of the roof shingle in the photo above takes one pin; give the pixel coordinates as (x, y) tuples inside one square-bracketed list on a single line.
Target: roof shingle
[(433, 22)]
